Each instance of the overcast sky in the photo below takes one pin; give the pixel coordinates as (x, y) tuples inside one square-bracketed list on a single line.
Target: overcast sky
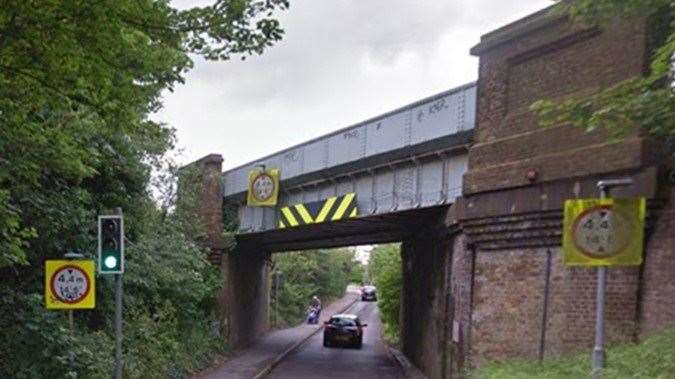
[(340, 62)]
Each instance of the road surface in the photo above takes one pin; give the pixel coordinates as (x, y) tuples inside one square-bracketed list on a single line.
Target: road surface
[(312, 360)]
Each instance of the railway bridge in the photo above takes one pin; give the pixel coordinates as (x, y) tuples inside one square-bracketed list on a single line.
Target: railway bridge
[(405, 162), (474, 190)]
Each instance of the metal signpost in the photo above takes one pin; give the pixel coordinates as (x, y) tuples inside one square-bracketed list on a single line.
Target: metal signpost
[(603, 232), (71, 317), (598, 357), (111, 261), (70, 284)]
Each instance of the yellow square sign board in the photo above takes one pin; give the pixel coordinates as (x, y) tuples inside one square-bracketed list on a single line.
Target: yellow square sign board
[(263, 188), (604, 232), (70, 284)]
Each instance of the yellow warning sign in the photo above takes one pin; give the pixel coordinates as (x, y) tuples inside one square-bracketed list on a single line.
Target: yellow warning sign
[(70, 284), (332, 209), (604, 232), (263, 188)]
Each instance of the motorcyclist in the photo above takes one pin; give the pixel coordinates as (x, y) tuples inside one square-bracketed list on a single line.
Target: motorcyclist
[(316, 303)]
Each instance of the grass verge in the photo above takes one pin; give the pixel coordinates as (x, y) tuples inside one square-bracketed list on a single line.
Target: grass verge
[(653, 358)]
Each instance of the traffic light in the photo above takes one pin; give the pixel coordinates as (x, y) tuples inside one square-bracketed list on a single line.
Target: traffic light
[(110, 244)]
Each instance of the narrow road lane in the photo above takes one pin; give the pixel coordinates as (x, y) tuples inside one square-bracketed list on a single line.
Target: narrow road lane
[(313, 360)]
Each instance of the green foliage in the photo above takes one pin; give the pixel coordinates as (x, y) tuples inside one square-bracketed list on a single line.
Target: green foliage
[(324, 273), (384, 268), (36, 342), (643, 102), (12, 237), (170, 292), (654, 358), (358, 275), (78, 80)]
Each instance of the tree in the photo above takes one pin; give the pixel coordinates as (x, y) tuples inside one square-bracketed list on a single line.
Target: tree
[(647, 102), (169, 310), (77, 82), (384, 268)]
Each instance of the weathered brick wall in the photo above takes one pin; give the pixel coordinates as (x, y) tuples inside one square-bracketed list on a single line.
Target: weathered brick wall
[(209, 202), (553, 58), (511, 298), (461, 286), (571, 308), (245, 295), (621, 305), (658, 289), (560, 305), (425, 314), (550, 60), (508, 303), (564, 59), (524, 302)]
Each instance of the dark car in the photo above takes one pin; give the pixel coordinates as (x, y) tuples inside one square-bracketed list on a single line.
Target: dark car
[(368, 293), (343, 329)]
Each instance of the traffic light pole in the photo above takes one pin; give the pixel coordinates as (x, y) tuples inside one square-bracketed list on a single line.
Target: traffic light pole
[(119, 293)]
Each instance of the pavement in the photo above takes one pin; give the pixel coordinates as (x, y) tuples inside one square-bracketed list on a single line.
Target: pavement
[(373, 360), (259, 358)]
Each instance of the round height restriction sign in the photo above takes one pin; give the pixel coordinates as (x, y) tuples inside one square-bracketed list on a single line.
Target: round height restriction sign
[(603, 232), (70, 284), (600, 232), (263, 187)]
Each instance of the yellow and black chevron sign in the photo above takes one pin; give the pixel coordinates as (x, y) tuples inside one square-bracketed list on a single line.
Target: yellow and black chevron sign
[(315, 212)]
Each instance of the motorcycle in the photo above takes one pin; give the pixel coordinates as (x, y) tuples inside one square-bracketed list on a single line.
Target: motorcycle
[(313, 315)]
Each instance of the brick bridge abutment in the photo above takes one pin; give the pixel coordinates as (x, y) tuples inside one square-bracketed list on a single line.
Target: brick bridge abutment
[(513, 297), (426, 305), (246, 295)]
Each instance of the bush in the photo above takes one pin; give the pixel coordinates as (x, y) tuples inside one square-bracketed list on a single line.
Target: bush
[(384, 268), (169, 307)]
